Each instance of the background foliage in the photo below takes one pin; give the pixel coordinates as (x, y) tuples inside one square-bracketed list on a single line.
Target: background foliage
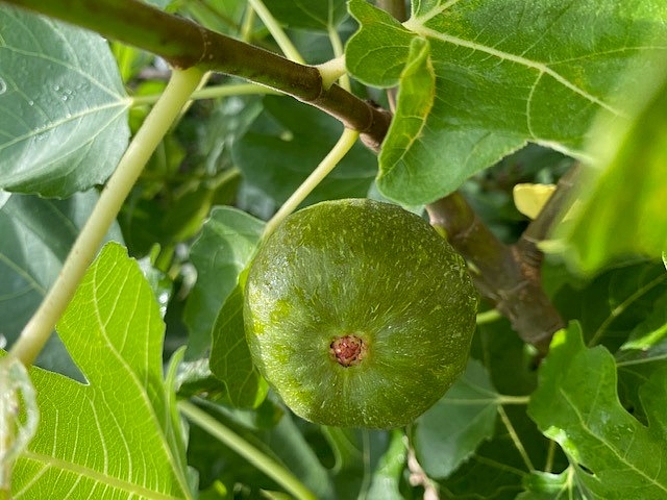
[(489, 95)]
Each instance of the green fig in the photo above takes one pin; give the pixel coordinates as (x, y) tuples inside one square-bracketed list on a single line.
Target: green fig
[(359, 314)]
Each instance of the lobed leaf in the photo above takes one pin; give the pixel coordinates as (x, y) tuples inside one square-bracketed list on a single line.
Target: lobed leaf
[(576, 404), (113, 437), (503, 77), (63, 108)]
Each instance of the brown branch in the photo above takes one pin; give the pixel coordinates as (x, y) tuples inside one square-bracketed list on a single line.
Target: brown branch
[(501, 272), (185, 44)]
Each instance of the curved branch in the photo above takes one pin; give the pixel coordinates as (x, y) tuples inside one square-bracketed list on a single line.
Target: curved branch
[(184, 44), (502, 273)]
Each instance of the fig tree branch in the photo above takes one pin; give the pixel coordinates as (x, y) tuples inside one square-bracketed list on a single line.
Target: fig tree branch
[(185, 44), (502, 273)]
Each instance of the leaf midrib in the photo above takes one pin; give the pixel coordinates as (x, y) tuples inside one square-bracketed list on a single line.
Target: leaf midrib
[(541, 68), (98, 477)]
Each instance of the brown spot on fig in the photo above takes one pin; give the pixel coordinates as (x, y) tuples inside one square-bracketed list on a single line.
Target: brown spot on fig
[(348, 350)]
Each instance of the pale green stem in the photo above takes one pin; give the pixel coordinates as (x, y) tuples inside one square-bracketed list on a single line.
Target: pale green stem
[(488, 316), (512, 400), (339, 53), (332, 70), (256, 457), (157, 123), (276, 31), (212, 93), (340, 149), (248, 22), (515, 438)]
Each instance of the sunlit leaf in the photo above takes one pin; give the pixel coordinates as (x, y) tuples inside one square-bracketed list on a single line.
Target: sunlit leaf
[(576, 404), (114, 437)]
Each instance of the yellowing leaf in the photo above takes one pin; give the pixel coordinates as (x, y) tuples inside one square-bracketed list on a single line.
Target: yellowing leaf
[(531, 198)]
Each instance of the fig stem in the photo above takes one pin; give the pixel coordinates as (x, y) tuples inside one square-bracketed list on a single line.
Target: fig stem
[(347, 139), (253, 455), (155, 126)]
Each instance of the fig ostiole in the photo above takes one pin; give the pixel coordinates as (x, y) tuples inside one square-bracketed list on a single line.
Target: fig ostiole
[(359, 314)]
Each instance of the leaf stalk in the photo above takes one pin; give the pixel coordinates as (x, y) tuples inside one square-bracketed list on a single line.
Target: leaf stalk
[(253, 455), (157, 123)]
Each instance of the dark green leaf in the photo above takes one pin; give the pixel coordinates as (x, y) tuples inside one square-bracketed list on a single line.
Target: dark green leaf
[(612, 305), (36, 237), (319, 15), (230, 357), (63, 107), (504, 76), (221, 252), (284, 442), (113, 438), (357, 453), (285, 144), (576, 404), (623, 212), (450, 432)]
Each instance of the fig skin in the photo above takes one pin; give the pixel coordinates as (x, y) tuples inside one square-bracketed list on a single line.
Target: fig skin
[(371, 272)]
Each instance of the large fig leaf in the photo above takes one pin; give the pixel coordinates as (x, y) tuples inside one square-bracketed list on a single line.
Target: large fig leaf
[(614, 456), (117, 436), (504, 74), (63, 108)]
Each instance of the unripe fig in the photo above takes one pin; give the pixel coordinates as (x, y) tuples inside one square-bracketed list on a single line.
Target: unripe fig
[(359, 314)]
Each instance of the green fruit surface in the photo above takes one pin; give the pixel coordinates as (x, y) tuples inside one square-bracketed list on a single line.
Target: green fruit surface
[(368, 269)]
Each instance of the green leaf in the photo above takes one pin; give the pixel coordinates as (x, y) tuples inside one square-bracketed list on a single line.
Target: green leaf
[(113, 437), (450, 432), (358, 454), (36, 237), (614, 304), (221, 252), (284, 441), (285, 144), (230, 356), (544, 486), (576, 404), (63, 108), (623, 213), (503, 77), (319, 15)]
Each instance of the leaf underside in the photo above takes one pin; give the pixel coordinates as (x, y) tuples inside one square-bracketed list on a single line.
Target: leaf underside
[(63, 108)]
